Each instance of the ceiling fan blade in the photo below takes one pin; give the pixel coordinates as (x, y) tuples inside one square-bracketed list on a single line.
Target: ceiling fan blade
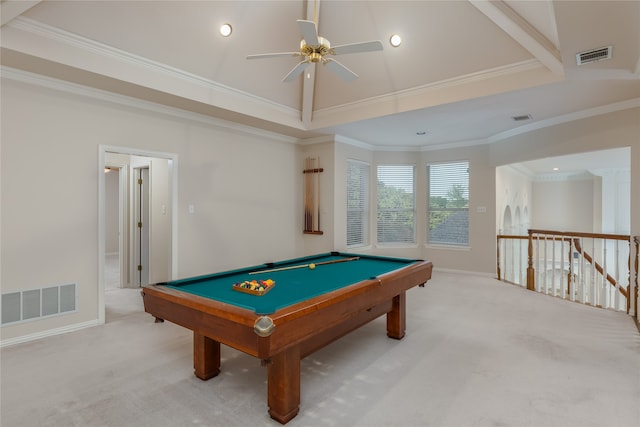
[(357, 47), (297, 70), (272, 55), (309, 32), (342, 71)]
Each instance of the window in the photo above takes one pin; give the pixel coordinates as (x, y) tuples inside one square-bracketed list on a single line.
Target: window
[(448, 203), (396, 204), (357, 203)]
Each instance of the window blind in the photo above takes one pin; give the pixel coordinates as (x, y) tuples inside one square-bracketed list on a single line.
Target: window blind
[(448, 203), (357, 203), (396, 204)]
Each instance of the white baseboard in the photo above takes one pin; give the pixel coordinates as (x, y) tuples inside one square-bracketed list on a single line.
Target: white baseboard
[(49, 333)]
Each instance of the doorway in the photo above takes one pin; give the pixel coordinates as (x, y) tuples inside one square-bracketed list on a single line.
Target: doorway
[(115, 186), (145, 203)]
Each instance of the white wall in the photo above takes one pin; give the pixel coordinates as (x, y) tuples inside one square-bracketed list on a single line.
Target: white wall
[(566, 205), (243, 184)]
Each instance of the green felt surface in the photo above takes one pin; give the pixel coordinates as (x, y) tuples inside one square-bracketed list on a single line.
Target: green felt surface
[(292, 286)]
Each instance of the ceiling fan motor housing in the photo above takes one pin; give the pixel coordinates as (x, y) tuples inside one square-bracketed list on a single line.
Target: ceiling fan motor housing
[(315, 53)]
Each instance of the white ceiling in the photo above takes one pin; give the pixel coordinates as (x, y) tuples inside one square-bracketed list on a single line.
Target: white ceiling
[(465, 68)]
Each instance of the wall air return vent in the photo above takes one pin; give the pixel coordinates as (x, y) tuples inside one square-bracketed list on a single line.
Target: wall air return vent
[(34, 304), (594, 55)]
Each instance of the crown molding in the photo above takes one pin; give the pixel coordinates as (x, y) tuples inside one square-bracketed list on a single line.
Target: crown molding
[(317, 140), (105, 96), (354, 142), (521, 169), (289, 116), (566, 118), (456, 144), (405, 97), (563, 176)]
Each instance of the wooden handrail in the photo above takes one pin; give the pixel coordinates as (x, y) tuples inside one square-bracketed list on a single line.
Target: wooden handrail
[(580, 234), (572, 237), (598, 267), (630, 291)]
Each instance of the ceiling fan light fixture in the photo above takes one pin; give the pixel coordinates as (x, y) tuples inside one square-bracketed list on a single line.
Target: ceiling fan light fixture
[(395, 40), (315, 49), (226, 30)]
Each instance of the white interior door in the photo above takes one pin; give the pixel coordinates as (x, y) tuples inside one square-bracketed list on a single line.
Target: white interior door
[(141, 238)]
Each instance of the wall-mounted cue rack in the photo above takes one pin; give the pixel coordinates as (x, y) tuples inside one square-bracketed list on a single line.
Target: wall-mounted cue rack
[(311, 172)]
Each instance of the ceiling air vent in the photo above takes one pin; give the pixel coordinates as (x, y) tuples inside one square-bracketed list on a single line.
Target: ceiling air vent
[(594, 55), (521, 118)]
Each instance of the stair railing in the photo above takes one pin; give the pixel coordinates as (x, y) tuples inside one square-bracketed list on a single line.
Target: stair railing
[(590, 268), (636, 240)]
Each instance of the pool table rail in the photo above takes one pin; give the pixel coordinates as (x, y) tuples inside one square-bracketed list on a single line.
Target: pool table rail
[(352, 305)]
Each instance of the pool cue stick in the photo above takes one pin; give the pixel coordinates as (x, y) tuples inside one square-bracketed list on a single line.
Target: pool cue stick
[(318, 196), (312, 161), (293, 267), (309, 197), (308, 226), (306, 194), (310, 192)]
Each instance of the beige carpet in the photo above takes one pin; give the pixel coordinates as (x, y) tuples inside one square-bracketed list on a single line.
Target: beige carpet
[(478, 352)]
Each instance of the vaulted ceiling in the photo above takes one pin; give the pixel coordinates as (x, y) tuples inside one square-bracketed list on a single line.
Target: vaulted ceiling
[(462, 72)]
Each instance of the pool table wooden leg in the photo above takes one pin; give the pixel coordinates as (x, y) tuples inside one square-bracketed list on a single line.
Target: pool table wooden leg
[(206, 356), (284, 384), (397, 317)]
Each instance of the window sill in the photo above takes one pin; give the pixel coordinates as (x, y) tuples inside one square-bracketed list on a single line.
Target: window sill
[(359, 248), (397, 245), (448, 247)]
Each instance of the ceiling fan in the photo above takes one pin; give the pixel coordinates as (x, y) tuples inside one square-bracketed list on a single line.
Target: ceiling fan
[(315, 49)]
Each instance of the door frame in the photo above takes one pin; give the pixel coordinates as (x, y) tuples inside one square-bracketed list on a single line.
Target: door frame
[(123, 180), (173, 172)]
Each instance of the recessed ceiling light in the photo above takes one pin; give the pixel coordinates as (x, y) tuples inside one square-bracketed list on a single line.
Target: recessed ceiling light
[(555, 169), (395, 40), (225, 30)]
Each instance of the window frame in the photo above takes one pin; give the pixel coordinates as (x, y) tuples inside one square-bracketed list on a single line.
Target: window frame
[(412, 211), (465, 243), (365, 209)]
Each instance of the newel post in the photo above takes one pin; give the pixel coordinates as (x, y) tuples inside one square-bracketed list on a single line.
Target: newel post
[(635, 292), (531, 285), (498, 256)]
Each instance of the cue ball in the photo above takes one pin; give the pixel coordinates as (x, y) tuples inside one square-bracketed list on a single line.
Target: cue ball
[(312, 266)]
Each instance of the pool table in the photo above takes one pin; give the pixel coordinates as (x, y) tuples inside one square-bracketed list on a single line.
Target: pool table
[(308, 307)]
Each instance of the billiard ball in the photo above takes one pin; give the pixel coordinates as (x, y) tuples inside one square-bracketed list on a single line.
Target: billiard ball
[(312, 266)]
